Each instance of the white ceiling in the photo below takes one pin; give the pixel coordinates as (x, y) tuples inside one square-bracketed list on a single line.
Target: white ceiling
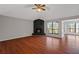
[(53, 11)]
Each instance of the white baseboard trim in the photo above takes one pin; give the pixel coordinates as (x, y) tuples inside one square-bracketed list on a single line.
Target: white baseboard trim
[(14, 37)]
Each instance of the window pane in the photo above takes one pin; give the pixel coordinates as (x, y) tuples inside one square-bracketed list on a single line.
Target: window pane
[(55, 25), (55, 28), (55, 31), (77, 27), (49, 27)]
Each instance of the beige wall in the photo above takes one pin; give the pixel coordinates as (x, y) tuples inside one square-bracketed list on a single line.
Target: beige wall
[(13, 28)]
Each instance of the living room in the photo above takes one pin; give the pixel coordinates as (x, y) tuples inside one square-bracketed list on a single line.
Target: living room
[(49, 28)]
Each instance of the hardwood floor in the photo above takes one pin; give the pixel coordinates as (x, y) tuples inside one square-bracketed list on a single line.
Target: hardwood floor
[(39, 45)]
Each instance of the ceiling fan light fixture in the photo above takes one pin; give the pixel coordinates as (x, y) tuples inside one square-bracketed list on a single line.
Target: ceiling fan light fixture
[(39, 7), (39, 10)]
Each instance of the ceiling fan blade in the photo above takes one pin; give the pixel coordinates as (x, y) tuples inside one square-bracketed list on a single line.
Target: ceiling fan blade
[(40, 5), (43, 5), (37, 4), (44, 9)]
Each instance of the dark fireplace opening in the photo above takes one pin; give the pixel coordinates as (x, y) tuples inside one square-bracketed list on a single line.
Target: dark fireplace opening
[(38, 30), (38, 27)]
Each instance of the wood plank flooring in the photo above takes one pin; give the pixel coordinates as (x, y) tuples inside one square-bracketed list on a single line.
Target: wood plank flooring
[(38, 45)]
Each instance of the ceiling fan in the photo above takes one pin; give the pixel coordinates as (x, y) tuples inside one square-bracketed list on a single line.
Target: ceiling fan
[(39, 7)]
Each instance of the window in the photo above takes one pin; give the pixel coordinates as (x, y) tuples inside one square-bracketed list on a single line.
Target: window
[(53, 27), (70, 27), (49, 27)]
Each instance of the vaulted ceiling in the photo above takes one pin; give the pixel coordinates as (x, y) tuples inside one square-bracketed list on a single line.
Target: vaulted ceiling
[(53, 11)]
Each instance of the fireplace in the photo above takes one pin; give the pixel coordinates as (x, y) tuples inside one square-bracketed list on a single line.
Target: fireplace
[(38, 27)]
